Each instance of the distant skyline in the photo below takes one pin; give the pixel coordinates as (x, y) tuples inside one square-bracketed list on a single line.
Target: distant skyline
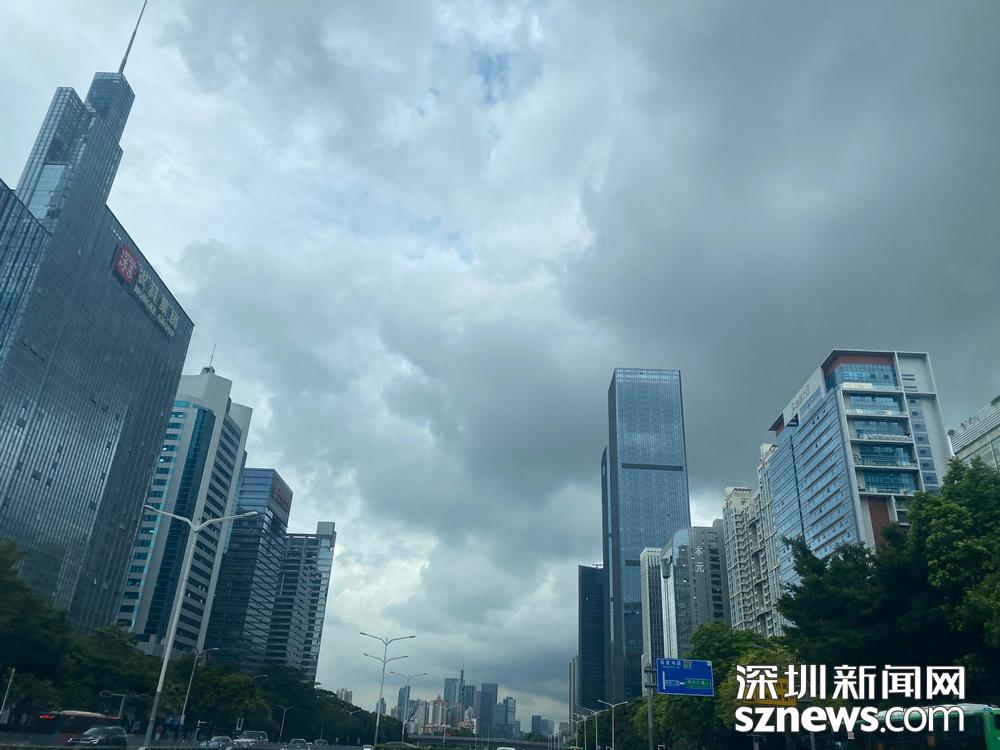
[(423, 235)]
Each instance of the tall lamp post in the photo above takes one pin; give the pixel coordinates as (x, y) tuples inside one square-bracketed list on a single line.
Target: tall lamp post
[(197, 656), (195, 529), (612, 706), (284, 710), (385, 660), (583, 720), (403, 719)]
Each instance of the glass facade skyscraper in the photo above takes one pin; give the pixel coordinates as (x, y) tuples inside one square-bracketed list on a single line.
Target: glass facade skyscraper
[(590, 637), (91, 348), (251, 570), (296, 627), (860, 437), (645, 500)]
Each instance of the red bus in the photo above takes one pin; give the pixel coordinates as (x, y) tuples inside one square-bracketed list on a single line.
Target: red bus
[(62, 725)]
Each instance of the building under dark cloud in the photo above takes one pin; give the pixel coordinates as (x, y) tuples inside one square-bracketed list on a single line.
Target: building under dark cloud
[(645, 500), (91, 348)]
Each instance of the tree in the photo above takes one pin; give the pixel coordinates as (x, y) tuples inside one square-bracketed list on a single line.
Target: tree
[(34, 635), (929, 595)]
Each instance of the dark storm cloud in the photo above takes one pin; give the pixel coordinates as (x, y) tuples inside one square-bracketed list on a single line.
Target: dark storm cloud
[(424, 234)]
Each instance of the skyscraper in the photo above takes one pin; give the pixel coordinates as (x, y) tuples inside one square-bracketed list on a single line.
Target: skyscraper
[(469, 696), (858, 439), (695, 589), (296, 626), (979, 435), (196, 476), (487, 705), (645, 500), (590, 634), (652, 605), (250, 571), (450, 690), (91, 348)]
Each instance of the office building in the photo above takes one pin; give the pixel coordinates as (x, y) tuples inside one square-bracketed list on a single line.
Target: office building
[(979, 436), (694, 586), (450, 690), (347, 696), (250, 571), (92, 343), (486, 705), (536, 724), (197, 477), (652, 605), (380, 707), (296, 628), (644, 501), (590, 635), (402, 701), (857, 440), (469, 696), (563, 728)]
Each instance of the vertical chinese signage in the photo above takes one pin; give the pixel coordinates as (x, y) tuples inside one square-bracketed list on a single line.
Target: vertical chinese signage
[(136, 275)]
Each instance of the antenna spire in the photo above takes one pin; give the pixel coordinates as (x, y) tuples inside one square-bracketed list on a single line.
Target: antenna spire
[(121, 68), (212, 358)]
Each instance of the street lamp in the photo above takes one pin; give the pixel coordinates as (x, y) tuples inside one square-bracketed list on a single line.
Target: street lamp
[(284, 710), (385, 660), (402, 731), (121, 706), (583, 720), (197, 656), (195, 529), (612, 706), (594, 714)]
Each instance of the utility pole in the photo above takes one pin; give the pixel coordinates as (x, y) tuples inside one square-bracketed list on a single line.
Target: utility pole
[(650, 686), (6, 692)]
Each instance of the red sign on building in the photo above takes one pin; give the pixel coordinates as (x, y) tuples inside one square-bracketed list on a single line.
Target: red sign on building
[(127, 264)]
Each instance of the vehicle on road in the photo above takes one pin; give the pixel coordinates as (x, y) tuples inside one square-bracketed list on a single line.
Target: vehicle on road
[(367, 747), (107, 736), (297, 744), (62, 725), (250, 737), (219, 742), (321, 743)]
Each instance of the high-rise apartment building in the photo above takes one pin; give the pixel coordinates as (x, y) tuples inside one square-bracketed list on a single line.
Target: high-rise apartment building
[(196, 476), (91, 348), (347, 696), (694, 586), (652, 605), (979, 436), (644, 501), (591, 638), (250, 572), (300, 601), (752, 554), (858, 439)]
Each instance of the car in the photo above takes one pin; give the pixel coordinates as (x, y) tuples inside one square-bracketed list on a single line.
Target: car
[(367, 747), (297, 744), (250, 737), (219, 742), (109, 736), (321, 743)]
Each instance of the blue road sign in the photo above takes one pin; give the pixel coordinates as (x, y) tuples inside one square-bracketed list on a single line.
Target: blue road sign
[(684, 677)]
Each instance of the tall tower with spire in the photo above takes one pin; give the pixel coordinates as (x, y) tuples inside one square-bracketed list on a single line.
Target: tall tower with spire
[(91, 348)]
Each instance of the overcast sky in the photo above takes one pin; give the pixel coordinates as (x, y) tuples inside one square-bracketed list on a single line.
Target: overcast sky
[(422, 235)]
